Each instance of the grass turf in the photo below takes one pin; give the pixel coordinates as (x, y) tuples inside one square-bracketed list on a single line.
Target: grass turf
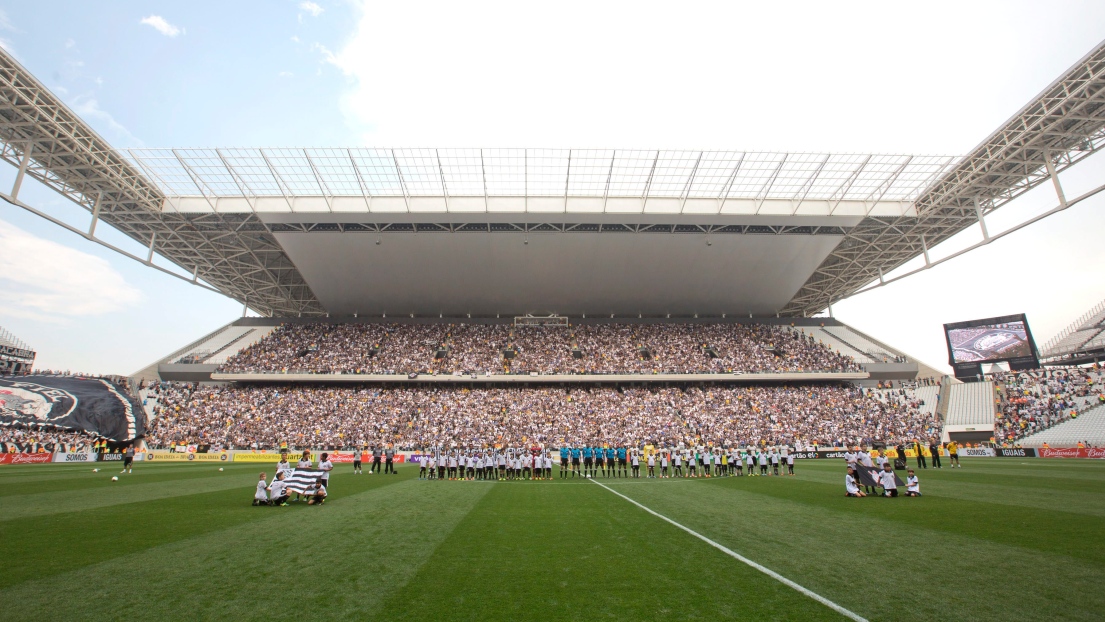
[(998, 539)]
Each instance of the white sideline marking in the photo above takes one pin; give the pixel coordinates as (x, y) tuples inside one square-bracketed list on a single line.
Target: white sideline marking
[(767, 571)]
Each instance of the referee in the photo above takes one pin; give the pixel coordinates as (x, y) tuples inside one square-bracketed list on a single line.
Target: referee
[(389, 455), (376, 455)]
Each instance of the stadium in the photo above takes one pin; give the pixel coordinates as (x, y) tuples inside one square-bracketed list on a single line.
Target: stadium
[(554, 383)]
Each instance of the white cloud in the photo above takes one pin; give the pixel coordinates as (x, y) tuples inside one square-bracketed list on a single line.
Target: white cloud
[(819, 77), (327, 55), (47, 281), (311, 7), (285, 74), (87, 107), (69, 43), (5, 23), (160, 24), (295, 39)]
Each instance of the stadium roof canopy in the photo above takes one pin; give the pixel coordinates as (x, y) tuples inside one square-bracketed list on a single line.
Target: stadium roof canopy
[(512, 231)]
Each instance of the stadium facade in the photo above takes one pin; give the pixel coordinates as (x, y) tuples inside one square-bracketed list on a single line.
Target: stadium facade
[(16, 357)]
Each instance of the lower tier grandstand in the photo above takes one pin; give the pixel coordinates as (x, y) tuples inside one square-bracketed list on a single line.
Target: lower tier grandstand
[(264, 417)]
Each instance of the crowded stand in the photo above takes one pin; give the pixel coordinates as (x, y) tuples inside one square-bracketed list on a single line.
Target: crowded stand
[(1034, 400), (44, 439), (587, 349), (244, 417)]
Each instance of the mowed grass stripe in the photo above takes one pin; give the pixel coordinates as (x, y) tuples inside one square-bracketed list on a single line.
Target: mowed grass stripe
[(338, 561), (1051, 531), (60, 542), (1052, 492), (79, 478), (744, 560), (536, 550), (863, 554), (99, 491)]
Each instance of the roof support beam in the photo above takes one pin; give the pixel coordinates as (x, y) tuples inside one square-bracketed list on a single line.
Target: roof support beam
[(360, 181), (690, 181), (326, 194), (441, 172), (648, 183), (981, 219), (95, 214), (609, 176), (1054, 178), (23, 163)]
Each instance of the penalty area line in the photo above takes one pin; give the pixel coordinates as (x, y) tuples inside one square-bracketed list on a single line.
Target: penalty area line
[(737, 556)]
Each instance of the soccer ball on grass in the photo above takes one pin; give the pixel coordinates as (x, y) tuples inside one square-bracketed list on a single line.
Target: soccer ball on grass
[(220, 469), (114, 478)]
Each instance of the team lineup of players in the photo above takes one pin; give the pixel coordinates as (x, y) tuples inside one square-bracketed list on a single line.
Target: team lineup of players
[(590, 462)]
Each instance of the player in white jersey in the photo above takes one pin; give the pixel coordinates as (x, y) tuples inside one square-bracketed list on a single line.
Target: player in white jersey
[(774, 457), (677, 463), (326, 466), (635, 461), (790, 463), (357, 460), (750, 462), (261, 496), (277, 494), (851, 489), (863, 458), (888, 482), (912, 485)]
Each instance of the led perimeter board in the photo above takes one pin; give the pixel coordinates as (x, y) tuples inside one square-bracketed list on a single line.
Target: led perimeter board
[(990, 340)]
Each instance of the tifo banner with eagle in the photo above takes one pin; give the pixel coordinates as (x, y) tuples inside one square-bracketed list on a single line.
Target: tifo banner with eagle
[(92, 404)]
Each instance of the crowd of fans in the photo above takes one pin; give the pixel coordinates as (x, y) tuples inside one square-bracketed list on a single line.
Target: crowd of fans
[(19, 439), (502, 348), (1034, 400), (245, 417)]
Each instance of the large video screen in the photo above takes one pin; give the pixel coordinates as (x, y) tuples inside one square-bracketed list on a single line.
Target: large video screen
[(1006, 338)]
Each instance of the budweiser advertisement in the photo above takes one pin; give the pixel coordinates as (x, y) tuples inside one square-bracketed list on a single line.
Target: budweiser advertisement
[(1072, 452), (26, 458), (342, 458)]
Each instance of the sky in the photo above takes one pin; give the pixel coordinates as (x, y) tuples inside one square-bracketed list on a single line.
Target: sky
[(863, 77)]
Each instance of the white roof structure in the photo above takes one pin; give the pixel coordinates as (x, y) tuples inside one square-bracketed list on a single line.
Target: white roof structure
[(367, 231), (537, 181)]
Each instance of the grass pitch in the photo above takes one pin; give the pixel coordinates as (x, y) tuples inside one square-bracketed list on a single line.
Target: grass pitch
[(997, 539)]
